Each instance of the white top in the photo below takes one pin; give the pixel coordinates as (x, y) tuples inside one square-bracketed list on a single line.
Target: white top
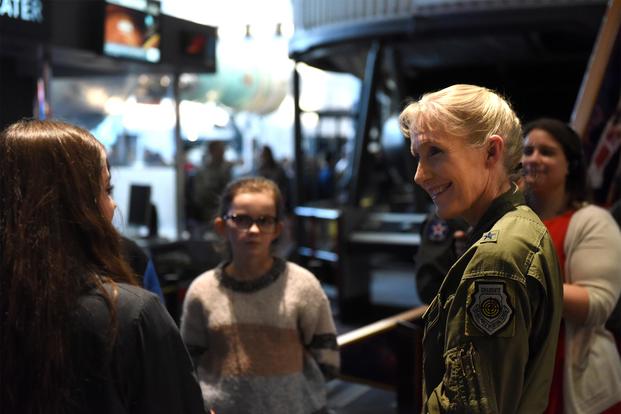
[(592, 372)]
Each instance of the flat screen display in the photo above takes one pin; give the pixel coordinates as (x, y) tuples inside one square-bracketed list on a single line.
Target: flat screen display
[(132, 29), (199, 47), (139, 205)]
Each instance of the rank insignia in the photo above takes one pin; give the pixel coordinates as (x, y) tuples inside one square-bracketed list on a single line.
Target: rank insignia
[(438, 230), (490, 237), (489, 307)]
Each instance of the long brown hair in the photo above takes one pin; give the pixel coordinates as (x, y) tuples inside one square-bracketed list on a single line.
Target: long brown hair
[(56, 245)]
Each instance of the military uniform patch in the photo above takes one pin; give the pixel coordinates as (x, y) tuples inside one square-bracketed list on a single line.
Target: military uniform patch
[(437, 230), (490, 237), (489, 307)]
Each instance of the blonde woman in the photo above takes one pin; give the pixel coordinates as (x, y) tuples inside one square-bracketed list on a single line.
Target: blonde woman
[(491, 330)]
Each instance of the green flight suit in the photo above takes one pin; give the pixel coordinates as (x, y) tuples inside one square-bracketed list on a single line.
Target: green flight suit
[(491, 331)]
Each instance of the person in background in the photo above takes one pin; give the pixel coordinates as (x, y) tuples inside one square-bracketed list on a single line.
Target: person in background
[(438, 250), (588, 242), (77, 335), (259, 328), (492, 328), (142, 265), (325, 179), (272, 170), (210, 180)]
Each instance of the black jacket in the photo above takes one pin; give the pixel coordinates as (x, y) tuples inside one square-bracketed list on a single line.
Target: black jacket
[(137, 365)]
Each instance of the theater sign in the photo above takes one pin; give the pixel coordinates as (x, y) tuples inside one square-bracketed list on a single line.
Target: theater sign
[(25, 10), (25, 19)]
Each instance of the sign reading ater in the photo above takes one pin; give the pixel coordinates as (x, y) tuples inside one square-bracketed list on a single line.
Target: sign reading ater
[(25, 10)]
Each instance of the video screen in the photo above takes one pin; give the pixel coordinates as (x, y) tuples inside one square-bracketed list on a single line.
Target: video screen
[(132, 29), (194, 44), (139, 205), (199, 47)]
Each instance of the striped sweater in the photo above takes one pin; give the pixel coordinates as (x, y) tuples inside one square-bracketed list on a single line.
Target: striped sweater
[(263, 346)]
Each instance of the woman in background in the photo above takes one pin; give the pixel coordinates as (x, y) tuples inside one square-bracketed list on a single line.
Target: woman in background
[(77, 335), (587, 375)]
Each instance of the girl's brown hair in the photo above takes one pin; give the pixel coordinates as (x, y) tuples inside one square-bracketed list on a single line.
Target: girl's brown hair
[(56, 244)]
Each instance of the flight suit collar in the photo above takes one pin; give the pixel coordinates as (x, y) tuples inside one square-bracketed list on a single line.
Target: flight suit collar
[(500, 206)]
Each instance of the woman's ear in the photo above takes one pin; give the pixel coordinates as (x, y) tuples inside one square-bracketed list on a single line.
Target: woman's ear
[(219, 226), (495, 147)]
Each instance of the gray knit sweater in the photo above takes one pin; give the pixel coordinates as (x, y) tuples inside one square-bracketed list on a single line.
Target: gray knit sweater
[(263, 346)]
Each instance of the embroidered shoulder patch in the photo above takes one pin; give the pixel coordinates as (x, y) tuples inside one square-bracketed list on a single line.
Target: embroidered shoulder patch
[(490, 237), (489, 307), (437, 230)]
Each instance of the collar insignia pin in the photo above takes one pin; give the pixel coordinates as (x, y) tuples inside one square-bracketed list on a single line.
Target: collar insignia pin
[(490, 237)]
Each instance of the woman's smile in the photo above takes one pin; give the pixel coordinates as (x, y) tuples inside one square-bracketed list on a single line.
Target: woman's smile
[(437, 191)]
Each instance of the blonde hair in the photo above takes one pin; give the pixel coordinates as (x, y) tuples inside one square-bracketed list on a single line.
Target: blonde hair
[(466, 111)]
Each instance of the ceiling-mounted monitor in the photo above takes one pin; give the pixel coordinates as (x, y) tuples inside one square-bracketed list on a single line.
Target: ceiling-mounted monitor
[(198, 47), (132, 29)]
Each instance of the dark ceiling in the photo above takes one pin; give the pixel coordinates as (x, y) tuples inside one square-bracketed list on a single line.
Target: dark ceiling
[(536, 56)]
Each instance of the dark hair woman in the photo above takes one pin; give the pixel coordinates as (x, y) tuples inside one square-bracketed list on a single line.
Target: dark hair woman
[(587, 375), (76, 333)]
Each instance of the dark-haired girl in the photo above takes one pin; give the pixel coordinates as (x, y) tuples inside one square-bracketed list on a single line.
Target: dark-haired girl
[(76, 333)]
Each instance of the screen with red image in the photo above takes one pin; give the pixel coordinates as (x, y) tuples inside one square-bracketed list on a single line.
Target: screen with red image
[(198, 47), (194, 43), (132, 29)]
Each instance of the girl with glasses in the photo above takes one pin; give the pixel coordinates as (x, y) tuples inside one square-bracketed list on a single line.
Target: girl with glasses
[(259, 328)]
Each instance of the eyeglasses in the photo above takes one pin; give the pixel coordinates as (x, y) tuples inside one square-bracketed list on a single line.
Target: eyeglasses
[(266, 224)]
